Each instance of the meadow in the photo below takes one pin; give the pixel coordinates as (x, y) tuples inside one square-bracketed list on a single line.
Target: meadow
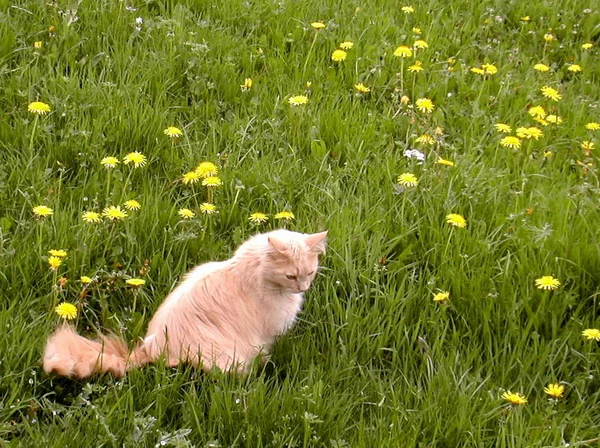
[(449, 148)]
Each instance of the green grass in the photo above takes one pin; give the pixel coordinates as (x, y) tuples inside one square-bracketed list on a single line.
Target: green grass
[(373, 361)]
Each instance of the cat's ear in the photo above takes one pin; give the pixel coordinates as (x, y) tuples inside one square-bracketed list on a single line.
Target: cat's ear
[(316, 242), (280, 246)]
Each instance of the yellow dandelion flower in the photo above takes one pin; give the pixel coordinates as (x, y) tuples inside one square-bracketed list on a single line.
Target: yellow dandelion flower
[(591, 334), (511, 142), (592, 126), (445, 162), (490, 69), (531, 132), (173, 132), (85, 280), (212, 181), (541, 67), (525, 19), (137, 159), (66, 311), (207, 169), (408, 180), (258, 218), (132, 204), (478, 71), (554, 119), (114, 213), (190, 177), (109, 162), (135, 282), (574, 68), (420, 44), (298, 100), (547, 282), (39, 108), (555, 390), (551, 93), (587, 145), (548, 37), (361, 88), (425, 139), (587, 45), (318, 25), (208, 208), (186, 213), (514, 398), (456, 220), (407, 9), (42, 211), (503, 128), (548, 153), (416, 30), (339, 55), (541, 121), (537, 111), (286, 215), (403, 51), (425, 105), (91, 217), (37, 44), (416, 67), (441, 296), (58, 253), (347, 45), (54, 262)]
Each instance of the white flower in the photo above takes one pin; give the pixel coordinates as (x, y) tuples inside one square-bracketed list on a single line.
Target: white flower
[(415, 154)]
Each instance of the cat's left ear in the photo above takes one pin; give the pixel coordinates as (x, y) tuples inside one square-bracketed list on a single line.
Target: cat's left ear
[(282, 247), (316, 242)]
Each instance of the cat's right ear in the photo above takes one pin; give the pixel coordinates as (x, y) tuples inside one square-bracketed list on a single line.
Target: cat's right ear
[(316, 242), (279, 246)]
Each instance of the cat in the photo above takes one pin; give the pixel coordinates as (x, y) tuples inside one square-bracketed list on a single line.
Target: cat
[(222, 314)]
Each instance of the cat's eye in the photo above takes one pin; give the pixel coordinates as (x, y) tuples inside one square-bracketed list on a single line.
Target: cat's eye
[(291, 277), (311, 272)]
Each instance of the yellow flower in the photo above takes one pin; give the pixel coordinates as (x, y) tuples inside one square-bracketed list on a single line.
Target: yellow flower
[(408, 180), (420, 43), (207, 169), (347, 45), (318, 25), (58, 253), (66, 311), (444, 162), (54, 262), (514, 398), (91, 217), (554, 119), (212, 181), (416, 67), (186, 213), (541, 67), (173, 132), (531, 132), (258, 218), (456, 220), (338, 55), (132, 204), (592, 126), (537, 111), (114, 213), (298, 100), (136, 158), (109, 162), (38, 108), (416, 30), (490, 69), (42, 211), (208, 208), (191, 177), (247, 84), (504, 128), (525, 19), (511, 142), (548, 37), (574, 68), (478, 71), (541, 121), (441, 296), (37, 44), (362, 88), (555, 390), (407, 9), (587, 145), (285, 215), (547, 153), (135, 282), (547, 282), (587, 46), (551, 93), (403, 51), (425, 105), (425, 139), (84, 279), (591, 334)]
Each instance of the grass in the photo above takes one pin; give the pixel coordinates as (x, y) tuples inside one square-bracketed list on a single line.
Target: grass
[(374, 361)]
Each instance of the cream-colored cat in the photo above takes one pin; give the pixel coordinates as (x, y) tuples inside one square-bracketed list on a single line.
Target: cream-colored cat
[(223, 313)]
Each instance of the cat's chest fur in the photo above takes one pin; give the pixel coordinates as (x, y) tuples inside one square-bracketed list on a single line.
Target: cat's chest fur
[(280, 313)]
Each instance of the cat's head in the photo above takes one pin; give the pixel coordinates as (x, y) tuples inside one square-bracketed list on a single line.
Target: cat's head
[(293, 258)]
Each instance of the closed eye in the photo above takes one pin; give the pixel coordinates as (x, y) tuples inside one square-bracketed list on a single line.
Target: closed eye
[(311, 273), (291, 277)]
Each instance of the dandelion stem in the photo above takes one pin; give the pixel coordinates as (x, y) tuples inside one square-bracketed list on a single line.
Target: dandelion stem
[(402, 75), (309, 54), (31, 156)]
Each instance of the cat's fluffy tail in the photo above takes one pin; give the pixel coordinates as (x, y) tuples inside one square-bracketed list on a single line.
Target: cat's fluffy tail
[(69, 354)]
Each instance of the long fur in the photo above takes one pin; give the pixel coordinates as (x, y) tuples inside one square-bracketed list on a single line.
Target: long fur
[(223, 314)]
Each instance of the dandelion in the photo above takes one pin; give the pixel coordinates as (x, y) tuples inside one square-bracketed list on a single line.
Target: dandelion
[(407, 9), (91, 217), (490, 69), (37, 44), (41, 211), (136, 158), (109, 162), (132, 204), (286, 215), (258, 218), (591, 334), (547, 282), (537, 111), (514, 398), (541, 121), (441, 296), (66, 311), (548, 37), (135, 282), (186, 213), (574, 68), (587, 45), (587, 145), (318, 25), (173, 132), (416, 67), (361, 88), (58, 253), (404, 100), (212, 181), (85, 280), (298, 100), (554, 119), (39, 108), (408, 180), (403, 51), (547, 153), (478, 71), (208, 208), (541, 67), (207, 169), (416, 30), (425, 139), (338, 56), (503, 128), (247, 84), (592, 126), (551, 93), (444, 162), (511, 142), (421, 44), (456, 220), (555, 390), (114, 213), (191, 177), (347, 45), (425, 105), (54, 262), (531, 132), (525, 19)]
